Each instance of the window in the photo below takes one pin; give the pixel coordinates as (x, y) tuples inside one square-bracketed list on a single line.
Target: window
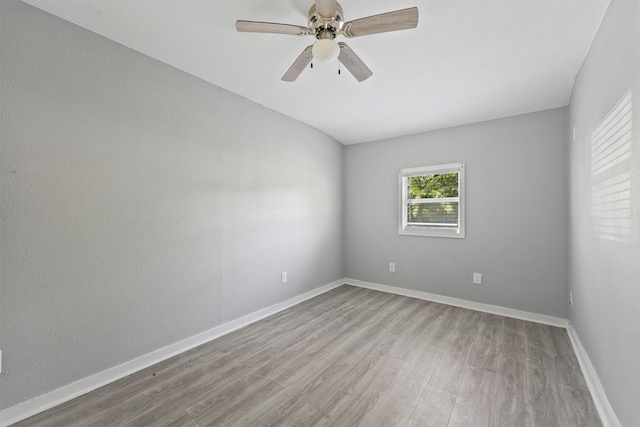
[(432, 200)]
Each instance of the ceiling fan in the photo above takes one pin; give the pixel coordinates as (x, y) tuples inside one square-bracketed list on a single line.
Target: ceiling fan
[(325, 24)]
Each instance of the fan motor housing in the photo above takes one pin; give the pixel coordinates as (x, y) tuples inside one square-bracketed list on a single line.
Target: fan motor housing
[(325, 27)]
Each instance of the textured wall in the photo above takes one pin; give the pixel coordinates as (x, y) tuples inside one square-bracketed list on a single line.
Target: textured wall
[(605, 207), (516, 213), (141, 205)]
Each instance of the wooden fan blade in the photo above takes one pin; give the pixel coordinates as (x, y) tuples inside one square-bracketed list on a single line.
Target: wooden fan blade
[(298, 65), (271, 27), (391, 21), (326, 8), (353, 63)]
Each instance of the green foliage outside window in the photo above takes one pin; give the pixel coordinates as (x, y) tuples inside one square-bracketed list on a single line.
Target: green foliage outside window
[(433, 187)]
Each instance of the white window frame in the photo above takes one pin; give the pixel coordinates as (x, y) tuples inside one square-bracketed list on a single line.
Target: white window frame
[(408, 229)]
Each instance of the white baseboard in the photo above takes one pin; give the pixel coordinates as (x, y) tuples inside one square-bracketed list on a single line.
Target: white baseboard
[(46, 401), (478, 306), (607, 416)]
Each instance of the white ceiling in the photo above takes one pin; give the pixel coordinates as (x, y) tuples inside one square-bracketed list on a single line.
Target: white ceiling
[(468, 60)]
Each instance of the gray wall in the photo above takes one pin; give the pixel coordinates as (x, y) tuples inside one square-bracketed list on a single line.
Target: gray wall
[(516, 213), (604, 267), (141, 205)]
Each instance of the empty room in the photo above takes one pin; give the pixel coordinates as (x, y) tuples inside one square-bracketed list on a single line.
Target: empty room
[(311, 213)]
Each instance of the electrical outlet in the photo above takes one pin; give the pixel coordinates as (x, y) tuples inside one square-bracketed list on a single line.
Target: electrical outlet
[(392, 267), (477, 278), (570, 298), (283, 277)]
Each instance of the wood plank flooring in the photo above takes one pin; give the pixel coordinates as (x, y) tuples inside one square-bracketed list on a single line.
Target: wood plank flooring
[(352, 357)]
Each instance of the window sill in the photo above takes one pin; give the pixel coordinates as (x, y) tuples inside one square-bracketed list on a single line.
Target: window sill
[(453, 234)]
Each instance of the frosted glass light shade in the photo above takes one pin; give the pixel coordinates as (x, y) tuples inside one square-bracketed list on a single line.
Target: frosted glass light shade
[(325, 50)]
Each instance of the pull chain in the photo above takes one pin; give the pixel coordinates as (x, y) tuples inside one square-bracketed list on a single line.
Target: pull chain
[(339, 67)]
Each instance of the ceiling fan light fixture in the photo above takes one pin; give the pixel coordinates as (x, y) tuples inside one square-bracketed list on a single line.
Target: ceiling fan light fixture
[(325, 50)]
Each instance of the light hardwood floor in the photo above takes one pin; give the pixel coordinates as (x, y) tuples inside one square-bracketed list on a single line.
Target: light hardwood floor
[(351, 357)]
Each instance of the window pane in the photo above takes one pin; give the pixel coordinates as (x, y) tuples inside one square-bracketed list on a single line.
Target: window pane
[(441, 215), (432, 186)]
